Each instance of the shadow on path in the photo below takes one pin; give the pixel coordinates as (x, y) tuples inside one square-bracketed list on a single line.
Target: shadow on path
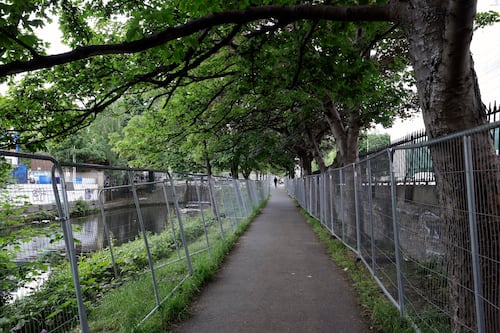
[(278, 278)]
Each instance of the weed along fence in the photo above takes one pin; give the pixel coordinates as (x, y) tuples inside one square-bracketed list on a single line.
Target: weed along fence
[(432, 244), (78, 241)]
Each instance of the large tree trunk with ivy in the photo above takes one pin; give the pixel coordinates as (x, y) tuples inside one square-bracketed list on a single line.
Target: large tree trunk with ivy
[(439, 34)]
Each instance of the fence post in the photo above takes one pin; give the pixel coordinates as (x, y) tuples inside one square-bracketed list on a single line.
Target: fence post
[(325, 193), (317, 197), (304, 192), (169, 216), (370, 214), (342, 217), (356, 210), (108, 234), (321, 192), (181, 226), (227, 204), (395, 228), (198, 196), (63, 211), (241, 203), (310, 208), (211, 188), (476, 266), (331, 187), (252, 195), (144, 234)]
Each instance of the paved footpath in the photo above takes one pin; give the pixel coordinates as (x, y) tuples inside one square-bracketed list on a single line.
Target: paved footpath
[(278, 278)]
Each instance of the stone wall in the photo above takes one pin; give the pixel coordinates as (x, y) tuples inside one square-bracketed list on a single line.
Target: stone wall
[(419, 219)]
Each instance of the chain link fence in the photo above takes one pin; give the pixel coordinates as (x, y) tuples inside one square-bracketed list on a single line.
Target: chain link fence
[(72, 233), (432, 244)]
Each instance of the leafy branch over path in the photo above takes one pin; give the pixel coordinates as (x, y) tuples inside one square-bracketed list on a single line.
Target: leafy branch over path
[(281, 13)]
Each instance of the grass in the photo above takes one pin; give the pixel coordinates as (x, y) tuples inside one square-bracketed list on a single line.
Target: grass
[(122, 309), (384, 317)]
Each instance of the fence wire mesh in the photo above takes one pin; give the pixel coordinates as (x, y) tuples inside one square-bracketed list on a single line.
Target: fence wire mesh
[(33, 230), (424, 219), (70, 249)]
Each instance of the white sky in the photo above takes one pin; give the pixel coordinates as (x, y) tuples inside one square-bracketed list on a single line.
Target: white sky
[(53, 35), (486, 54)]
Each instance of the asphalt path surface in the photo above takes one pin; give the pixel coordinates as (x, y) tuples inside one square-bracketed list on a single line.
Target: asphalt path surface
[(278, 278)]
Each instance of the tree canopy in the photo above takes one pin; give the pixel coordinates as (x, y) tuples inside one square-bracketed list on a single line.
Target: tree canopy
[(282, 69)]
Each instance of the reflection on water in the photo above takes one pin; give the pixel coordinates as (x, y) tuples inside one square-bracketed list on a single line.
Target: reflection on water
[(89, 231), (123, 226), (36, 281)]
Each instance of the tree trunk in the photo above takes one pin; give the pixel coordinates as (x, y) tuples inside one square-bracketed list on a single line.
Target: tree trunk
[(346, 140), (345, 129), (208, 164), (316, 151), (306, 160), (246, 173), (234, 169), (439, 33)]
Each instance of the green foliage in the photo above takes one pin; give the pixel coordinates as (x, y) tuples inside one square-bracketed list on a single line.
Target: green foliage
[(81, 147), (42, 215), (48, 305), (19, 19), (371, 142), (5, 170), (485, 19), (11, 236), (208, 98), (15, 229), (92, 144), (81, 208)]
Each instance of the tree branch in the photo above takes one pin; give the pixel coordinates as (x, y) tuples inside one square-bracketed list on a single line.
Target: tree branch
[(287, 13), (209, 102), (188, 66), (366, 52), (302, 50), (33, 52)]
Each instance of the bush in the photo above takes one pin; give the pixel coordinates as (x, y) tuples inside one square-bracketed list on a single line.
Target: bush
[(81, 208)]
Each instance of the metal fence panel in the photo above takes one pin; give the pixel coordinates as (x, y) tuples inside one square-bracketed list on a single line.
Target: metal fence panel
[(424, 218), (36, 243), (126, 225)]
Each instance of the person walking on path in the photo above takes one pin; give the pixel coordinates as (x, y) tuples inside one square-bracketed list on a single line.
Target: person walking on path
[(275, 182), (278, 278)]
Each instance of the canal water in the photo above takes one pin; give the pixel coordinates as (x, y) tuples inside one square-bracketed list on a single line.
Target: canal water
[(89, 231)]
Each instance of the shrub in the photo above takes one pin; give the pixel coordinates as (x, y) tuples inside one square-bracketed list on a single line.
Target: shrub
[(81, 208)]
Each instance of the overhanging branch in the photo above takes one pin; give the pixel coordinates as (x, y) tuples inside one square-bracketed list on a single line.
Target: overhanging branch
[(288, 13)]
